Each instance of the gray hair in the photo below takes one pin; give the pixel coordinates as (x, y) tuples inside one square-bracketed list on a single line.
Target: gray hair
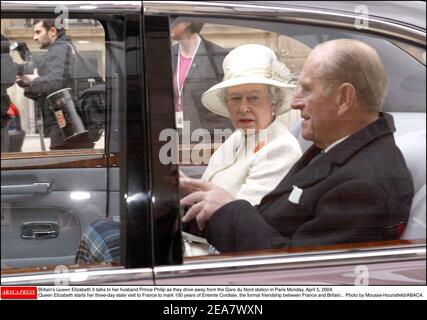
[(275, 95), (359, 64)]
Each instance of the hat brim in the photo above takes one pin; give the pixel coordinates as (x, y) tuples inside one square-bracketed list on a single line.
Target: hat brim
[(213, 101)]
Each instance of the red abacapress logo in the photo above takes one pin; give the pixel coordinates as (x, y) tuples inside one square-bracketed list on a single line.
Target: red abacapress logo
[(19, 292)]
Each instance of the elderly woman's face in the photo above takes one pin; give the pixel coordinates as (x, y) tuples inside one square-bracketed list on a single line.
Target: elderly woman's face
[(249, 106)]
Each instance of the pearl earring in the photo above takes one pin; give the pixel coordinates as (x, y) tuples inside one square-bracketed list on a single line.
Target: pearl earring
[(273, 114)]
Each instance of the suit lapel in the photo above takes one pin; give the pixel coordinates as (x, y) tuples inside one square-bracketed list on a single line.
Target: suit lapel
[(201, 52), (196, 64), (175, 55), (341, 153), (303, 174)]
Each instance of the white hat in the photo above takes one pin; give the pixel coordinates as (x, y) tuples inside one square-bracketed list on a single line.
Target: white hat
[(250, 63)]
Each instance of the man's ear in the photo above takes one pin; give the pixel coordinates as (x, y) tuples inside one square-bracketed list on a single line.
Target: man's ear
[(346, 97), (53, 33)]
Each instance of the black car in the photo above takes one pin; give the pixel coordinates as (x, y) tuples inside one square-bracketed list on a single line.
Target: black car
[(48, 198)]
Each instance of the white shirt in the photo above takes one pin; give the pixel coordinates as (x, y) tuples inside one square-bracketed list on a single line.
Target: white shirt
[(334, 144), (249, 170)]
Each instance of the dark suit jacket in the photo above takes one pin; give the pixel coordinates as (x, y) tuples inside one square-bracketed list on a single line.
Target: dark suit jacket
[(361, 190), (205, 71)]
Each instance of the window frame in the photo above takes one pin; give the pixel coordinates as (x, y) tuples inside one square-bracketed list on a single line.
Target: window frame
[(130, 122), (77, 156), (411, 36)]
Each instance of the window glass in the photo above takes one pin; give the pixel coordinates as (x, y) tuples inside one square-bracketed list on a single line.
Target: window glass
[(205, 68), (405, 100), (58, 99), (52, 194), (416, 52)]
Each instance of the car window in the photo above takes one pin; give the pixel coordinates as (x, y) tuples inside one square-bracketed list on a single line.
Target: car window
[(60, 170), (292, 44), (76, 62), (115, 202), (197, 138), (416, 52)]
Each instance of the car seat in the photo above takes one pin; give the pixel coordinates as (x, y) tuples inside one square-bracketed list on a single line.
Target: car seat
[(413, 147)]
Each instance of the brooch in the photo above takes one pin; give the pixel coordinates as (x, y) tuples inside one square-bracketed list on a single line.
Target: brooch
[(259, 146)]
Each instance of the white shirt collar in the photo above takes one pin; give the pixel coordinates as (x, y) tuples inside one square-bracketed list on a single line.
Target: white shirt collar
[(334, 144)]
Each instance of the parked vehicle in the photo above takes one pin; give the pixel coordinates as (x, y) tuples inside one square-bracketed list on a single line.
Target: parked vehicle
[(49, 198)]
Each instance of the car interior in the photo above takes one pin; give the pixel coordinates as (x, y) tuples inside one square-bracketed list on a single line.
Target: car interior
[(405, 102)]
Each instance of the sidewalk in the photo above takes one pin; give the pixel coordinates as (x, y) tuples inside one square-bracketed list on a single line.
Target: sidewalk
[(32, 143)]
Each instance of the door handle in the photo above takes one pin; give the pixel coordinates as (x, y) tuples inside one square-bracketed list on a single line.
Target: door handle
[(39, 230), (37, 187)]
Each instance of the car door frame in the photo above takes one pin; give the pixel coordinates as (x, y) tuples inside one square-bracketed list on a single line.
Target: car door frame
[(229, 267), (225, 269), (91, 163), (131, 155)]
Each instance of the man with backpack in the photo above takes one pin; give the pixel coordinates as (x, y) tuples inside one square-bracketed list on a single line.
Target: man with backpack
[(60, 68)]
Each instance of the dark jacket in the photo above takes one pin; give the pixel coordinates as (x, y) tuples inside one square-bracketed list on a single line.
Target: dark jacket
[(361, 190), (59, 68), (205, 71)]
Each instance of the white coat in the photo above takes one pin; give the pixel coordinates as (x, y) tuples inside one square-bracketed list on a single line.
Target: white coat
[(251, 166)]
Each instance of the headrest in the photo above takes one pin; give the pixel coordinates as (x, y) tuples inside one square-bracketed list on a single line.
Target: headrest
[(413, 147)]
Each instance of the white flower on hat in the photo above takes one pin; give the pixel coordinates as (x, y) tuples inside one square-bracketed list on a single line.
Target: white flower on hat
[(251, 63)]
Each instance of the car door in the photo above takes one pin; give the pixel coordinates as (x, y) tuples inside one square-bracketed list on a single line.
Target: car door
[(149, 190), (54, 197), (48, 198), (293, 42), (43, 211)]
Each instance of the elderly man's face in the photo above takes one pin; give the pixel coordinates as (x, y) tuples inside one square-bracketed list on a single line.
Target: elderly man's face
[(42, 36), (318, 109), (249, 106)]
